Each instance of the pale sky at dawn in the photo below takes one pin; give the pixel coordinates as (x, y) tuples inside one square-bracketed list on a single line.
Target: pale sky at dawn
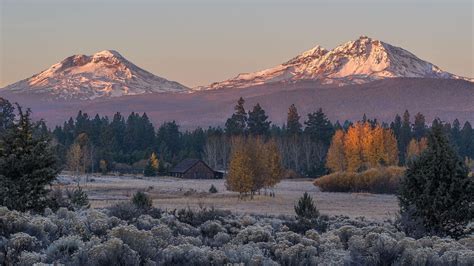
[(199, 42)]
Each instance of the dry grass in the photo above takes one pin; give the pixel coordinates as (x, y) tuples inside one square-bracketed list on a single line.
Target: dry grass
[(174, 193), (375, 180)]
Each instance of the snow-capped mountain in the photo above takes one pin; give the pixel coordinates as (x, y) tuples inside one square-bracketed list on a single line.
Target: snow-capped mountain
[(354, 62), (103, 74)]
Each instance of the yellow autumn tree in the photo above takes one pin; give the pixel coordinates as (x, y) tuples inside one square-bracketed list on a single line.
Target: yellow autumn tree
[(390, 147), (363, 146), (255, 164), (416, 147), (272, 164), (336, 160), (353, 148), (241, 172)]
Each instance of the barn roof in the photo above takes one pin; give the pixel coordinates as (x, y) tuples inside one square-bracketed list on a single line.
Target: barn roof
[(185, 165)]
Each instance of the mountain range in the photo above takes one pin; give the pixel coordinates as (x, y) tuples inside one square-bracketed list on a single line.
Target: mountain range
[(360, 76)]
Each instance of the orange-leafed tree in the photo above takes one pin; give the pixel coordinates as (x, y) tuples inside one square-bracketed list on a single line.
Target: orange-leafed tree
[(336, 160), (363, 146), (353, 148), (416, 147)]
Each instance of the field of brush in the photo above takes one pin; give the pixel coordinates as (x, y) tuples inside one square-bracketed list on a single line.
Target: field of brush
[(175, 193)]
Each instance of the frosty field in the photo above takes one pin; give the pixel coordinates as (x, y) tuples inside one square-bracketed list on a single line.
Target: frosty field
[(175, 193)]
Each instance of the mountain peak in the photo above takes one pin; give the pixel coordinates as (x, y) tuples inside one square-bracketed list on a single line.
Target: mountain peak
[(108, 53), (355, 62), (104, 74), (317, 50)]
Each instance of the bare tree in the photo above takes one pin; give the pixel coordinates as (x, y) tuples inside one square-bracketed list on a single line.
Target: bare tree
[(295, 152), (211, 151)]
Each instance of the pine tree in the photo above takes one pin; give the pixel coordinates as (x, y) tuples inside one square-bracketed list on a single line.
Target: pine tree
[(257, 121), (396, 126), (152, 166), (456, 136), (293, 125), (405, 136), (436, 188), (467, 140), (7, 115), (237, 124), (27, 166), (305, 208), (419, 126), (319, 127)]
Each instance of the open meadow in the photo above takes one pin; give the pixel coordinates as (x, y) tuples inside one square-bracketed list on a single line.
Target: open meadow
[(175, 193)]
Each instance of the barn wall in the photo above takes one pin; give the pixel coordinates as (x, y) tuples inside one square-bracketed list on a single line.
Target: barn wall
[(199, 171)]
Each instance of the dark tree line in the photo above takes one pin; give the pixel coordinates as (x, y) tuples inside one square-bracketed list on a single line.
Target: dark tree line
[(127, 142)]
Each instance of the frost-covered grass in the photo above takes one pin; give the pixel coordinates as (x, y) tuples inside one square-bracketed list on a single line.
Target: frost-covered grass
[(213, 237), (173, 193)]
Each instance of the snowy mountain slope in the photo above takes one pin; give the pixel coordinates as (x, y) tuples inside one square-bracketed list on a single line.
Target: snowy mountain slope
[(103, 74), (354, 62)]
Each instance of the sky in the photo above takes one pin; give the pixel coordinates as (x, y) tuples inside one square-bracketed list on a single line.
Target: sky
[(200, 42)]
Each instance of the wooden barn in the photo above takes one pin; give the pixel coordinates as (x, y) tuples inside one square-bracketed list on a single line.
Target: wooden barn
[(194, 169)]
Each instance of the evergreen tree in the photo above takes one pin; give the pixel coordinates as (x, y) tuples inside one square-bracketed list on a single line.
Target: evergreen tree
[(116, 136), (436, 188), (405, 136), (7, 115), (305, 208), (237, 124), (419, 126), (293, 125), (169, 141), (152, 165), (257, 122), (319, 128), (467, 141), (456, 136), (27, 165)]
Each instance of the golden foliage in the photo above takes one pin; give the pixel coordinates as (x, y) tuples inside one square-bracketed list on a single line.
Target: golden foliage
[(240, 177), (335, 158), (254, 165), (374, 180), (154, 161), (362, 147), (415, 147)]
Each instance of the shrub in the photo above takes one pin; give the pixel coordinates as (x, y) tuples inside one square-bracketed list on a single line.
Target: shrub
[(211, 228), (213, 189), (111, 252), (142, 201), (139, 240), (124, 211), (63, 249), (56, 199), (195, 218), (374, 180), (78, 198)]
